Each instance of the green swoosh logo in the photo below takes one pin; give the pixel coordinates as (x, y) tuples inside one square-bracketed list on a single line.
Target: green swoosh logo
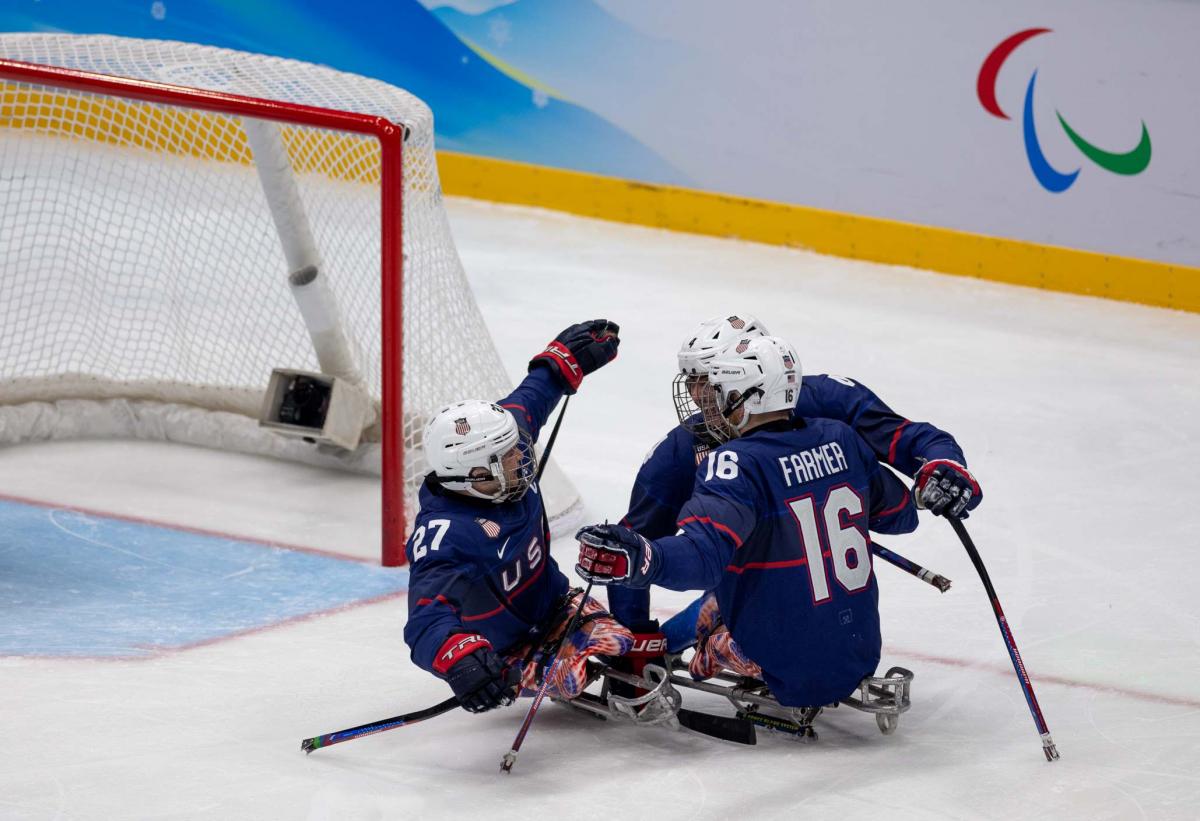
[(1131, 162)]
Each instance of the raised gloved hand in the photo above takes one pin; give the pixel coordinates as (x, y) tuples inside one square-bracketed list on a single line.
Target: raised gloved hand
[(475, 673), (612, 554), (946, 488), (579, 350)]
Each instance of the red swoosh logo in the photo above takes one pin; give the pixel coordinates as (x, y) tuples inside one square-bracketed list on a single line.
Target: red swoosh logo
[(985, 86)]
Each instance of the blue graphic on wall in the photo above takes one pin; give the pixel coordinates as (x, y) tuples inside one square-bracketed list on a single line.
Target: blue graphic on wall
[(480, 105)]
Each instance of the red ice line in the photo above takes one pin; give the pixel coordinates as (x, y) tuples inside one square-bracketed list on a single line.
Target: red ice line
[(1007, 670), (200, 531), (1129, 692), (1000, 669)]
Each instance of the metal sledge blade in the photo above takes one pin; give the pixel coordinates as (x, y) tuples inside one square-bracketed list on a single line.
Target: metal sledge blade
[(737, 730)]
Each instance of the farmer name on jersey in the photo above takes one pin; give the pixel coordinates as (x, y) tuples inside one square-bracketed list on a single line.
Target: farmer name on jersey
[(814, 463)]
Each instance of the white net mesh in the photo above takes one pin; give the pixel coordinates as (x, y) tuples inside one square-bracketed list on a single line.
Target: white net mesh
[(140, 262)]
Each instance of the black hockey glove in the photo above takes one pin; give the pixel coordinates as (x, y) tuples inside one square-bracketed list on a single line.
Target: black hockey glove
[(579, 350), (476, 674), (946, 488), (612, 554)]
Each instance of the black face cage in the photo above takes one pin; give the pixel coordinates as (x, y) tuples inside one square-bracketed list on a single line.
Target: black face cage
[(513, 484), (696, 406)]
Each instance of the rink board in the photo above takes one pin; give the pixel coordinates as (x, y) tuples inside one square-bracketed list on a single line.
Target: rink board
[(82, 584)]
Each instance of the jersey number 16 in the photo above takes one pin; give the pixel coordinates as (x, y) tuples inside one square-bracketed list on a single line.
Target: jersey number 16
[(836, 539)]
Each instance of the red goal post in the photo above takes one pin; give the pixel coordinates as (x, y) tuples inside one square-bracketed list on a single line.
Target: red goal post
[(191, 265)]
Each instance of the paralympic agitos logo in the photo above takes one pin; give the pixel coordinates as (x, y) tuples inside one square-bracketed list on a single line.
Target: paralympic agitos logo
[(1053, 180)]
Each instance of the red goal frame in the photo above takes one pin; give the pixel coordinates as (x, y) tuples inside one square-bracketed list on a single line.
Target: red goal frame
[(391, 142)]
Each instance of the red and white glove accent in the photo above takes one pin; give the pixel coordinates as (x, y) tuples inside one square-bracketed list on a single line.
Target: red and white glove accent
[(478, 677), (579, 350), (560, 358), (946, 488), (457, 647)]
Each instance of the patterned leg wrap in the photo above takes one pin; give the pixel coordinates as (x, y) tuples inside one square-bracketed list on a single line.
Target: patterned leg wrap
[(716, 649), (598, 634)]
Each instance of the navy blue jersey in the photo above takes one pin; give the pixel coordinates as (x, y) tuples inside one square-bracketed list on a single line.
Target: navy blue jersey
[(666, 477), (481, 567), (777, 528)]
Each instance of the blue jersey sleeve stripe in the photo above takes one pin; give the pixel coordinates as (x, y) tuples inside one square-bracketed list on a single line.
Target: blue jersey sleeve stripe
[(486, 615), (891, 457), (704, 520), (438, 598), (528, 416), (765, 565), (885, 513)]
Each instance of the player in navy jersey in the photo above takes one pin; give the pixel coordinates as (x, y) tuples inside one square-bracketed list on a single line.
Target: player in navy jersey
[(776, 530), (942, 482), (486, 600)]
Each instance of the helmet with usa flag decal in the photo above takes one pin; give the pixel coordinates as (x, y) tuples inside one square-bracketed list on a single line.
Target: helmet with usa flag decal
[(751, 377), (698, 349), (477, 449)]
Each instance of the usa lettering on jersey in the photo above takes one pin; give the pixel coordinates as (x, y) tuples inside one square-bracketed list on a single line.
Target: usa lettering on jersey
[(814, 463)]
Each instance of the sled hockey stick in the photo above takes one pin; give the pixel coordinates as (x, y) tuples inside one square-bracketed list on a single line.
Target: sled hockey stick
[(510, 757), (908, 566), (550, 442), (317, 742), (1023, 677)]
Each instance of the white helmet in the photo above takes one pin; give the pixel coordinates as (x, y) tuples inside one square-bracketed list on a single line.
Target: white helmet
[(758, 374), (700, 346), (477, 434), (712, 335)]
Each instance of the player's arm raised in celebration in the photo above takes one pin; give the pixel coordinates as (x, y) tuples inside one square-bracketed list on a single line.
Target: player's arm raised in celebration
[(559, 369)]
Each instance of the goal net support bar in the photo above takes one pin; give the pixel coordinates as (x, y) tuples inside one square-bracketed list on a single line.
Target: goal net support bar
[(316, 302)]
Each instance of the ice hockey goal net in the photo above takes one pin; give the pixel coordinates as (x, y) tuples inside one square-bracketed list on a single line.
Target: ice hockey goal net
[(145, 277)]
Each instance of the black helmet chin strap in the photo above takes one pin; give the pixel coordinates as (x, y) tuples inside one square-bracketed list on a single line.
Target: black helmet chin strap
[(741, 400)]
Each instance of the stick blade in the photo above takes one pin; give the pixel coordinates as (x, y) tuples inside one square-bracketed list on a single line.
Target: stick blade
[(737, 730)]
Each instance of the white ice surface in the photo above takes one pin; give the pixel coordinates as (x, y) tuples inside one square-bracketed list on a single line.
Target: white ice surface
[(1080, 416)]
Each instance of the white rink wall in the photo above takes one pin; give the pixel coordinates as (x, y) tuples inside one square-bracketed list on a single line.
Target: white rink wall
[(872, 108), (866, 107)]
